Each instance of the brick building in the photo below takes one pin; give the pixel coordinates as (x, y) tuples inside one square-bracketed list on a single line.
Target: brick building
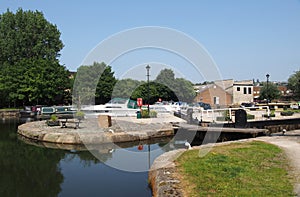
[(224, 93), (214, 95)]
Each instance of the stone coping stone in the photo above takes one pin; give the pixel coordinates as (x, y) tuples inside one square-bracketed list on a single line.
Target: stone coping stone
[(90, 133)]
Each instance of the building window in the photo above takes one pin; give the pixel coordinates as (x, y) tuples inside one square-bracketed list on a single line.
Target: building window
[(249, 91), (238, 89), (216, 100), (245, 90)]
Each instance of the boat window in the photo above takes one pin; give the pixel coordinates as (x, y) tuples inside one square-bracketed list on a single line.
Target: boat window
[(117, 101)]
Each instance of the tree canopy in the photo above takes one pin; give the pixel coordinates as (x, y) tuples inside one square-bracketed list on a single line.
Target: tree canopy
[(126, 88), (294, 84), (93, 84), (30, 72), (27, 34), (174, 88), (269, 91), (165, 87)]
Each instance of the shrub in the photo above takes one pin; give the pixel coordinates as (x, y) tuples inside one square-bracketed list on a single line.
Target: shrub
[(79, 115), (53, 121), (272, 114), (53, 118), (152, 114), (220, 118), (145, 113), (250, 117), (287, 113), (296, 110), (225, 116)]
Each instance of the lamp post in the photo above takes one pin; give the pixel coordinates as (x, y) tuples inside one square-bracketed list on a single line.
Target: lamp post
[(267, 75), (298, 92), (148, 68)]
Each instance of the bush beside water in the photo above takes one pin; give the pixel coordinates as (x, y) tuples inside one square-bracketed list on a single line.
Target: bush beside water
[(152, 114), (287, 113)]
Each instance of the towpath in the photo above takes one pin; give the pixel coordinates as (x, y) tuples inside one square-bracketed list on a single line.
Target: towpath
[(290, 143)]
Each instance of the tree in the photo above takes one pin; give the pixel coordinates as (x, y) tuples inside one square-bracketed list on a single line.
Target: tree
[(27, 34), (184, 90), (166, 85), (294, 84), (93, 84), (30, 72), (106, 84), (125, 88), (269, 91), (175, 89), (166, 77)]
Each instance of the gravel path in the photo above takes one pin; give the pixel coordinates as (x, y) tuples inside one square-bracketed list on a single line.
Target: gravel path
[(290, 143)]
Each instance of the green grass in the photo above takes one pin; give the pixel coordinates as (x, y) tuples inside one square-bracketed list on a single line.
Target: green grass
[(7, 109), (243, 169), (296, 110)]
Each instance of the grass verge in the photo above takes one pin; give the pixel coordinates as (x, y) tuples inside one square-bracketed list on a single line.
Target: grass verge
[(238, 169)]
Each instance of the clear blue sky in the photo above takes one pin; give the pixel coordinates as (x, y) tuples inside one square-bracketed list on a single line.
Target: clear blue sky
[(247, 39)]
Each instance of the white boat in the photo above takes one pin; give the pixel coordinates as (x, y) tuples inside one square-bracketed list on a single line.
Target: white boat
[(115, 107), (161, 107)]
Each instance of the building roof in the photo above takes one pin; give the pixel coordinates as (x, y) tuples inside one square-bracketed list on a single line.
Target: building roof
[(244, 82), (225, 84), (208, 86)]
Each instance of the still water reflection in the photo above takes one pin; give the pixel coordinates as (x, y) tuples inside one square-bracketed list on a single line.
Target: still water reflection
[(28, 170)]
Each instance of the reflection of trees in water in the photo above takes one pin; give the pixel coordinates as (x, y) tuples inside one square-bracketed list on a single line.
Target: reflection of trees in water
[(85, 157), (27, 170)]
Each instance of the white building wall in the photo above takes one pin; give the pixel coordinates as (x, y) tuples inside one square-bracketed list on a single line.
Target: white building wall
[(242, 93)]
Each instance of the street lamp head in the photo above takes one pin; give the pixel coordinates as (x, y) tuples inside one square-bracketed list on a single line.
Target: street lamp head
[(267, 75), (148, 67)]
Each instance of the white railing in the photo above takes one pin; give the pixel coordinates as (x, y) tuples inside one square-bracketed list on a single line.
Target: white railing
[(211, 114)]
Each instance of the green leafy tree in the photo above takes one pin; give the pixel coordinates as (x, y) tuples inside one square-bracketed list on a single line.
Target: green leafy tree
[(184, 90), (294, 84), (106, 84), (93, 84), (27, 34), (142, 92), (172, 88), (30, 72), (166, 77), (269, 91), (85, 84), (125, 88)]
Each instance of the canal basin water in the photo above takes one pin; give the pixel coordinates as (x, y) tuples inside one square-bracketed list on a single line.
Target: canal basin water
[(28, 170)]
